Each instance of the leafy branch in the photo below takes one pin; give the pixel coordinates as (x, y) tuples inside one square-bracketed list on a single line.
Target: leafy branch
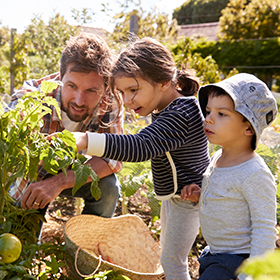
[(23, 147)]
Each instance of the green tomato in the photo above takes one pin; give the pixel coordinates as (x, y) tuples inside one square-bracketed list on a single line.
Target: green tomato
[(10, 248)]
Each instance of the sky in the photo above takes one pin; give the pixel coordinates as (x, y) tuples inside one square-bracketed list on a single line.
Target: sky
[(18, 13)]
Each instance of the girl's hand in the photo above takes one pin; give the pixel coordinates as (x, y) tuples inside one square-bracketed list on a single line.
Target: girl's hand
[(190, 192), (81, 140)]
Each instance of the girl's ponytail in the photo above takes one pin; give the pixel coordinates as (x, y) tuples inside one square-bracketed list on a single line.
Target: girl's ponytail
[(186, 82)]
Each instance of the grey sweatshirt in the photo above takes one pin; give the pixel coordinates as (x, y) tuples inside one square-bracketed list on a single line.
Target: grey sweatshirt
[(238, 207)]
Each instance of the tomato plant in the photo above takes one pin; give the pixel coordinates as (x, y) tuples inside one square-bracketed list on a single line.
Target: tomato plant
[(23, 147)]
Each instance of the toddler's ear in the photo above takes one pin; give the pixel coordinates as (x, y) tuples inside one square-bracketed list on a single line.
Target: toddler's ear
[(249, 131)]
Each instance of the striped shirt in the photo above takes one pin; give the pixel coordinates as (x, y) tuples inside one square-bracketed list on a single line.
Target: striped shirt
[(177, 129), (104, 113)]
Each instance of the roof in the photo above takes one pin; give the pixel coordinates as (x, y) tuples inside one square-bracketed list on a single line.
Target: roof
[(208, 30), (98, 31)]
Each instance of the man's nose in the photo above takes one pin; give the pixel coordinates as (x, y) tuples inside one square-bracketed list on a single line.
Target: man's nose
[(79, 98)]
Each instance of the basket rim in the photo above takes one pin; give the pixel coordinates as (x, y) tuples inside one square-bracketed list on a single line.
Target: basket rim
[(120, 267)]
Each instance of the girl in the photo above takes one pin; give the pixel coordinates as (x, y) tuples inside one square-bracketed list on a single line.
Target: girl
[(146, 76)]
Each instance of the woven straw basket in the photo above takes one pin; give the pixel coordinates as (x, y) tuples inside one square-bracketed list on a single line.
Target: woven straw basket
[(124, 242)]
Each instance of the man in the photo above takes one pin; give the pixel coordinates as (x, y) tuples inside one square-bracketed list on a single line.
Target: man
[(86, 105)]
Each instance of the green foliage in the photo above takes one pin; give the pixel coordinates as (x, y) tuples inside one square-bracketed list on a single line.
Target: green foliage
[(37, 51), (229, 29), (272, 158), (23, 146), (248, 20), (185, 55), (199, 11), (82, 17), (4, 80), (136, 175), (46, 42), (18, 65), (24, 224), (50, 259), (255, 19), (251, 56), (150, 24), (132, 177), (264, 267), (4, 36)]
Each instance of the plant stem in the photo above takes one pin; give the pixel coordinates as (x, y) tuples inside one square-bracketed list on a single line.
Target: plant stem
[(2, 203)]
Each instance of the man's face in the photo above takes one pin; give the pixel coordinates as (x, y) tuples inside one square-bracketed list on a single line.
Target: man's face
[(81, 93)]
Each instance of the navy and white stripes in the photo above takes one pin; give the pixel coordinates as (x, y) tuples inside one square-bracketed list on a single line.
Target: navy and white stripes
[(177, 129)]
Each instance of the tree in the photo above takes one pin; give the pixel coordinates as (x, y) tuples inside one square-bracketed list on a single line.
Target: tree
[(4, 62), (37, 51), (18, 65), (259, 57), (199, 11), (46, 43), (185, 55), (83, 16), (152, 24), (257, 19), (4, 35)]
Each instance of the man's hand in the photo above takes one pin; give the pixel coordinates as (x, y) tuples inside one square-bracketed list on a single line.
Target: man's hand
[(43, 192), (39, 194), (190, 192)]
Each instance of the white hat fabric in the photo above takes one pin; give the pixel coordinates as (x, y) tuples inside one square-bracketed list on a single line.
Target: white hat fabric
[(251, 97)]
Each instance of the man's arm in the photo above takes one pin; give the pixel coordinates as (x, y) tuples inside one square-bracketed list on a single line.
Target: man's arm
[(45, 191)]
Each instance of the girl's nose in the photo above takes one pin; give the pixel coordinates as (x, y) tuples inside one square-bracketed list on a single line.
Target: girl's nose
[(128, 98), (208, 119)]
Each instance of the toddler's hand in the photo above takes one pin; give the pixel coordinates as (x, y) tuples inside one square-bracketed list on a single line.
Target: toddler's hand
[(190, 192)]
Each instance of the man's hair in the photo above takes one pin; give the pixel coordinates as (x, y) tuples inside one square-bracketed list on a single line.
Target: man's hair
[(87, 52)]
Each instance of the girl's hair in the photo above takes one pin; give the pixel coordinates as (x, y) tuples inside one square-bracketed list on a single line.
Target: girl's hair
[(150, 60)]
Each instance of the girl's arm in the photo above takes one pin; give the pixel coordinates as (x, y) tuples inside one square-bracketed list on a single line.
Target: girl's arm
[(81, 140), (169, 131)]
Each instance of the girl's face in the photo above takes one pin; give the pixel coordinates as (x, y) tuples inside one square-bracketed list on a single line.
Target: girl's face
[(141, 96)]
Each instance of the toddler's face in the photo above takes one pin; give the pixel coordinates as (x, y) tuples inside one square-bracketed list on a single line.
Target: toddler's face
[(223, 125)]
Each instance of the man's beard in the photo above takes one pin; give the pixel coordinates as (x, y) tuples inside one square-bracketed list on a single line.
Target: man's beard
[(73, 117)]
